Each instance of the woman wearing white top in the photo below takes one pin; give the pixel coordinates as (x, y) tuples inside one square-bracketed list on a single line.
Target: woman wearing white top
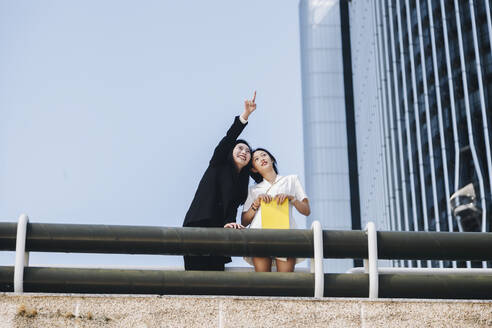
[(272, 187)]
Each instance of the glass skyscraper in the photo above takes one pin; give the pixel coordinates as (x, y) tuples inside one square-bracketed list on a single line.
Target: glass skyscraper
[(326, 143), (421, 72)]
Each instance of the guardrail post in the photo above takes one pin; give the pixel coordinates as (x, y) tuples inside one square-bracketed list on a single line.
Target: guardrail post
[(21, 256), (371, 264), (317, 261)]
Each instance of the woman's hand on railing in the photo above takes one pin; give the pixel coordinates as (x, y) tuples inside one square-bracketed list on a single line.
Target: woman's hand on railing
[(234, 225)]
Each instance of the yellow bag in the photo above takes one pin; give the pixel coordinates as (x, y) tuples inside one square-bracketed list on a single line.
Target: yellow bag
[(274, 216)]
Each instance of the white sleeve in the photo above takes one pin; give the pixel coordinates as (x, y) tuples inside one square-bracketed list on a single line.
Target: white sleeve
[(249, 201), (299, 193), (242, 119)]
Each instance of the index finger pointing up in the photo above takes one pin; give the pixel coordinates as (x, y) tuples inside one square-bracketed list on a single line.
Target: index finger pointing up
[(254, 97)]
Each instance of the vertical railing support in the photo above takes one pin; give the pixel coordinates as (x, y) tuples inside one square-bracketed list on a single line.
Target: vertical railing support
[(317, 261), (21, 256), (371, 264)]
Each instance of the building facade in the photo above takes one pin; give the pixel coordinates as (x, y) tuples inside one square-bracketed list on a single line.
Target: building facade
[(422, 85), (329, 180), (433, 72)]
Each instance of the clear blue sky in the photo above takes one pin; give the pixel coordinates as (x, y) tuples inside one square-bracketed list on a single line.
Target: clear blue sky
[(110, 110)]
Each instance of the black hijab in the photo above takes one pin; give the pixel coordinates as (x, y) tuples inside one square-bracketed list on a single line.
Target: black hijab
[(241, 191)]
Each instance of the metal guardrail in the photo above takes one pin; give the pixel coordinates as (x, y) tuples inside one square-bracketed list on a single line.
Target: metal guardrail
[(59, 280), (315, 243), (81, 238)]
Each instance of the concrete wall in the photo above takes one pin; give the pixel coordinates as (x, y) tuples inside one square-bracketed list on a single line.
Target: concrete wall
[(48, 310)]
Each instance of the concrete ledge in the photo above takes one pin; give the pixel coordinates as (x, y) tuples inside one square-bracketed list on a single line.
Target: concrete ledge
[(61, 310)]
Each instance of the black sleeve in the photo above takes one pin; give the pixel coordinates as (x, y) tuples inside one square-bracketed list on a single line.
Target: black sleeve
[(225, 145), (232, 218)]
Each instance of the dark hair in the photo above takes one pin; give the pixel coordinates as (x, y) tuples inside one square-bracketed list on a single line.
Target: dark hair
[(243, 179), (257, 176)]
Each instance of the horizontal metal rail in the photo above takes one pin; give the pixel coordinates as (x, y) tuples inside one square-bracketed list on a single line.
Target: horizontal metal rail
[(427, 271), (80, 238), (246, 283), (104, 281), (8, 234), (434, 245), (297, 268)]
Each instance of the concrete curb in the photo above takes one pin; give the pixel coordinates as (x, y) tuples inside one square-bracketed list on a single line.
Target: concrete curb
[(62, 310)]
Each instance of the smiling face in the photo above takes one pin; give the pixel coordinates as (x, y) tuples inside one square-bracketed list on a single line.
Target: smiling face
[(241, 155), (262, 162)]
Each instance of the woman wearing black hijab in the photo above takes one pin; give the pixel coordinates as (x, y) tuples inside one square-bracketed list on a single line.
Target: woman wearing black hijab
[(223, 187)]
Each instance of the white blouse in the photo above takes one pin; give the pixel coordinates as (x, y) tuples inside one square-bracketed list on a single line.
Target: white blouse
[(289, 185)]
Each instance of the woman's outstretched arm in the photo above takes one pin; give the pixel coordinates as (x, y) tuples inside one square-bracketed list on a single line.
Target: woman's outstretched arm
[(225, 145)]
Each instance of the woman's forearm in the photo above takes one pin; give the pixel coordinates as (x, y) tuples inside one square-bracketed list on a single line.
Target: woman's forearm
[(302, 206), (247, 216)]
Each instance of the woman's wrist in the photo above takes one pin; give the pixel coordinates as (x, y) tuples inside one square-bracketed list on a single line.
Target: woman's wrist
[(255, 206), (244, 116)]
